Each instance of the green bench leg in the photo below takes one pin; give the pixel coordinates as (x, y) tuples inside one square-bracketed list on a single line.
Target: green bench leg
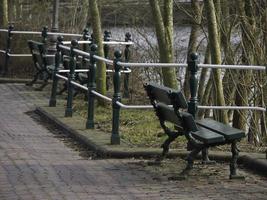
[(205, 157), (233, 163), (190, 159)]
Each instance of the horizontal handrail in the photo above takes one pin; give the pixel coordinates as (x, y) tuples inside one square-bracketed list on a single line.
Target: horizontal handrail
[(64, 47), (26, 32), (101, 96), (127, 64), (233, 108), (3, 30), (108, 61), (149, 106), (86, 70), (79, 85), (82, 53), (76, 70), (64, 34), (247, 67), (19, 55), (133, 106), (104, 42), (38, 32), (62, 77)]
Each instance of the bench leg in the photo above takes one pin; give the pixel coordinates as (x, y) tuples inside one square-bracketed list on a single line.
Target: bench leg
[(190, 160), (205, 157), (34, 79), (233, 163), (42, 86), (63, 89)]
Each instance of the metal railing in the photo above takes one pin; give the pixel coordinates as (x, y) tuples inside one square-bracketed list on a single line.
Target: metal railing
[(118, 67), (44, 34)]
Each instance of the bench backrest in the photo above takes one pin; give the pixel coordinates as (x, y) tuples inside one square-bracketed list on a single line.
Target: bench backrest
[(38, 54), (167, 103), (166, 95)]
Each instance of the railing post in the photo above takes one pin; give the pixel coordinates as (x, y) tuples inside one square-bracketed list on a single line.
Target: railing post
[(85, 46), (53, 100), (127, 55), (107, 36), (193, 68), (8, 50), (115, 137), (44, 34), (193, 101), (91, 86), (71, 77)]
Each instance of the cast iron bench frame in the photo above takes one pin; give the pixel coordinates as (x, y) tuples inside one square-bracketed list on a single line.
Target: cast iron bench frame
[(201, 134), (40, 60)]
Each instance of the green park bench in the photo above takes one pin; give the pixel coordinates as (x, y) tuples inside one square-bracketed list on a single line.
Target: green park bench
[(44, 70), (41, 63), (169, 106)]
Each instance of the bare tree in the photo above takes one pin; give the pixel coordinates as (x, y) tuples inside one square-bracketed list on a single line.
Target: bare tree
[(164, 30), (97, 37)]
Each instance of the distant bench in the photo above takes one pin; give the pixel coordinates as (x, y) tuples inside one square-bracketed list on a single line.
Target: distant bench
[(44, 69), (201, 134), (41, 64)]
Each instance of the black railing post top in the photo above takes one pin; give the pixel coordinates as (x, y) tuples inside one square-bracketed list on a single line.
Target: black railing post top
[(86, 34), (194, 56), (128, 37), (59, 41), (45, 28), (10, 27), (93, 48), (74, 43), (44, 33), (92, 37), (118, 55), (85, 30), (107, 35), (192, 63), (93, 51)]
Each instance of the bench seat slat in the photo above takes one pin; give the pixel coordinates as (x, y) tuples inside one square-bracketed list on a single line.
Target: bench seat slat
[(228, 132), (208, 137)]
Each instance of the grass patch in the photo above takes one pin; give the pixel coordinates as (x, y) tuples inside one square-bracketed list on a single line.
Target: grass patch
[(139, 127)]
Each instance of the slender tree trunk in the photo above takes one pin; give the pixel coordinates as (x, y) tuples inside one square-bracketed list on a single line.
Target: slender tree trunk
[(164, 31), (204, 74), (97, 32), (230, 76), (215, 57), (192, 45), (242, 93), (3, 13), (12, 13)]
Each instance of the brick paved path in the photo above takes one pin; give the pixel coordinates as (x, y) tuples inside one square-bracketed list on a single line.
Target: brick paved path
[(36, 165)]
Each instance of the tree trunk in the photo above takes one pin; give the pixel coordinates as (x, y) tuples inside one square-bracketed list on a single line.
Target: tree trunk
[(3, 13), (192, 45), (12, 13), (241, 98), (97, 32), (204, 75), (215, 58), (164, 31)]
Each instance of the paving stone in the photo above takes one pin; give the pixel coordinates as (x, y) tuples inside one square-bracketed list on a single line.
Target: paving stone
[(34, 164)]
